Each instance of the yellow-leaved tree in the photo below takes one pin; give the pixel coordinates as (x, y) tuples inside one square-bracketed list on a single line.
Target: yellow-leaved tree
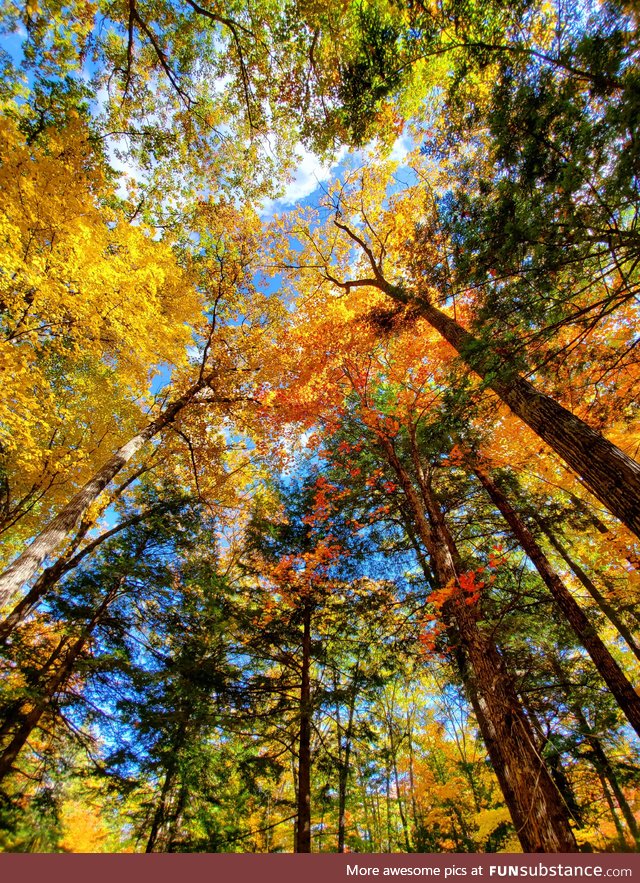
[(91, 307)]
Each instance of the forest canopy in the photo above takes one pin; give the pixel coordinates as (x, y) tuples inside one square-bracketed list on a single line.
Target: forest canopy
[(319, 431)]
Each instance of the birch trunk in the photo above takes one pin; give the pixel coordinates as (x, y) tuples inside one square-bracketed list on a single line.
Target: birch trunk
[(55, 533)]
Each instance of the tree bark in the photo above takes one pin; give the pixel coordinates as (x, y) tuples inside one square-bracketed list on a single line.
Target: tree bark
[(344, 760), (602, 764), (593, 590), (28, 563), (610, 671), (611, 475), (538, 812), (303, 827)]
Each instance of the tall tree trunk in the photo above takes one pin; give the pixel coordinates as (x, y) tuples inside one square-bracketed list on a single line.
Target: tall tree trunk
[(160, 815), (344, 760), (161, 808), (593, 590), (401, 807), (303, 827), (603, 767), (393, 751), (610, 671), (388, 807), (611, 475), (362, 778), (553, 760), (54, 534), (598, 758), (29, 720), (612, 808), (177, 819), (538, 812), (50, 576)]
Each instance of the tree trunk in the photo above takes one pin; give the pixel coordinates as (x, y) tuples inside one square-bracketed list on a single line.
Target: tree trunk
[(303, 827), (593, 590), (344, 760), (362, 779), (50, 576), (610, 671), (539, 815), (603, 767), (599, 759), (160, 811), (160, 815), (612, 809), (611, 475), (553, 760), (538, 812), (30, 720), (401, 808), (28, 563)]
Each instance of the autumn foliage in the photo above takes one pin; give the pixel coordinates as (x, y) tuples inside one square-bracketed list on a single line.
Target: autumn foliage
[(319, 490)]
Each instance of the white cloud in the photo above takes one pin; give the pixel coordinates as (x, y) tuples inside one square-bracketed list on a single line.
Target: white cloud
[(310, 173), (308, 176), (401, 147)]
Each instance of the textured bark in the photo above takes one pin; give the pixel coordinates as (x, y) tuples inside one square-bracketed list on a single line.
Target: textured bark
[(28, 563), (303, 825), (612, 476), (608, 668), (593, 590), (537, 810), (50, 576)]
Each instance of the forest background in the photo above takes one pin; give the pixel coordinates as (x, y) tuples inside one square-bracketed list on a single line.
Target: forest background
[(319, 496)]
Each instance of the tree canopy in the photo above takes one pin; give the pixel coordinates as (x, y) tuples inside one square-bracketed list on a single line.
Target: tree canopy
[(319, 478)]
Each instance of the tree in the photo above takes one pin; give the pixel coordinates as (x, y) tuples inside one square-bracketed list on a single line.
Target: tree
[(216, 378), (320, 259)]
